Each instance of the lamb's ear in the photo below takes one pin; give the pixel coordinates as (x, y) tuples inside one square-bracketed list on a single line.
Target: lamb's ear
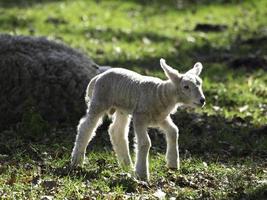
[(196, 69), (171, 73)]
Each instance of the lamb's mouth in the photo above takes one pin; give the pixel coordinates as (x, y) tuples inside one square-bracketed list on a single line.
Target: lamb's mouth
[(199, 104)]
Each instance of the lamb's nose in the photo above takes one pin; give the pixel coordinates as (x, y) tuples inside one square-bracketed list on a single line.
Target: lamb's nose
[(202, 100)]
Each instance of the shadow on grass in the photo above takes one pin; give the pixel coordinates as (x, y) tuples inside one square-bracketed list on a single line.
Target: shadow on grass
[(183, 4), (24, 3), (200, 135), (259, 193), (170, 4), (242, 54), (107, 34)]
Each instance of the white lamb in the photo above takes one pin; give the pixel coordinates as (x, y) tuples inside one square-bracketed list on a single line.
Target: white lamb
[(149, 101)]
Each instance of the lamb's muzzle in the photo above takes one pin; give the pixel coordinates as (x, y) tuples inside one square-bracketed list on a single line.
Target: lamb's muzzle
[(148, 100)]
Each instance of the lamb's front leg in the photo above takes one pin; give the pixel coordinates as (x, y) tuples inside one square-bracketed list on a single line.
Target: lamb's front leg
[(143, 146), (172, 134)]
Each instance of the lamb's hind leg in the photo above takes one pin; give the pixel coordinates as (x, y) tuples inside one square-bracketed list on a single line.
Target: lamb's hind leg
[(86, 131), (118, 132)]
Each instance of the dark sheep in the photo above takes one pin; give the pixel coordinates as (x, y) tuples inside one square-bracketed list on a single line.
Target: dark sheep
[(39, 74)]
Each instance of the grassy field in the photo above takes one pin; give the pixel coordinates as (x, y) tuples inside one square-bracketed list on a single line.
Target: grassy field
[(223, 147)]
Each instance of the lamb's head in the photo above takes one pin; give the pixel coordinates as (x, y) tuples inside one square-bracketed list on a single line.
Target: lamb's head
[(188, 85)]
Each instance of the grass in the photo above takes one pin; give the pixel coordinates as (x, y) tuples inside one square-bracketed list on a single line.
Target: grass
[(223, 146), (37, 170)]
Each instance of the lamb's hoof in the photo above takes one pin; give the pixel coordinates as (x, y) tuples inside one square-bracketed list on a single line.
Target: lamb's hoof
[(126, 164), (173, 166), (142, 176), (76, 160)]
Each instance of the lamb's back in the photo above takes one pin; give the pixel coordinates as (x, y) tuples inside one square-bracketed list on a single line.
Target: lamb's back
[(124, 88)]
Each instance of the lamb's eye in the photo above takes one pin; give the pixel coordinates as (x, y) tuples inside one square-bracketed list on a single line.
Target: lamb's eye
[(186, 87)]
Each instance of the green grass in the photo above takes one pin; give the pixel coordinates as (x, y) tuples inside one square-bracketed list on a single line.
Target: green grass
[(223, 146), (35, 170)]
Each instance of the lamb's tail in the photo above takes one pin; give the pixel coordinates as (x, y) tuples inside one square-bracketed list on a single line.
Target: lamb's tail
[(91, 85), (89, 93), (90, 89)]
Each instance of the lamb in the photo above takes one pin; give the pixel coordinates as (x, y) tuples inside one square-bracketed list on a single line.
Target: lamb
[(149, 101)]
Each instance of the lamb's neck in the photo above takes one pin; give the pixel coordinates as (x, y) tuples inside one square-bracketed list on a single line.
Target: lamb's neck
[(168, 94)]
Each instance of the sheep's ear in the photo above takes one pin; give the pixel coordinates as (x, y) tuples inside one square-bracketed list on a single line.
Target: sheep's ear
[(196, 69), (171, 73)]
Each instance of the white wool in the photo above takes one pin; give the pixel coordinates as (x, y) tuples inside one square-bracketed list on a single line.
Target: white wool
[(149, 101)]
